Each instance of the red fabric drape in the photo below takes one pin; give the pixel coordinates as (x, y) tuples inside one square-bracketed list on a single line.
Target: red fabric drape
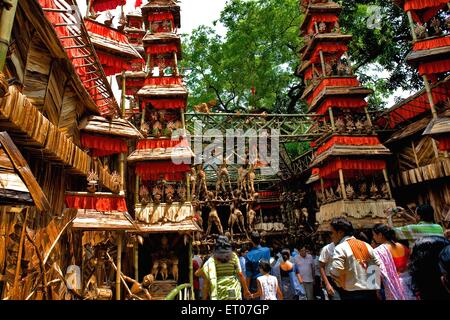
[(167, 103), (324, 17), (138, 3), (432, 43), (103, 5), (161, 48), (163, 81), (167, 169), (332, 167), (434, 67), (327, 183), (332, 82), (336, 48), (160, 17), (135, 83), (338, 102), (112, 64), (161, 143), (268, 194), (106, 32), (103, 146), (348, 140), (444, 143), (422, 4), (267, 206), (102, 204)]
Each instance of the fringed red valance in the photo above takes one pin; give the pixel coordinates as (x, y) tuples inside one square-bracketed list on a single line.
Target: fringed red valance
[(268, 194), (161, 48), (444, 143), (105, 31), (324, 17), (103, 5), (162, 81), (166, 103), (349, 166), (422, 4), (160, 17), (327, 183), (336, 48), (341, 103), (103, 146), (161, 143), (112, 64), (332, 82), (166, 169), (99, 203), (432, 67), (348, 140), (432, 43)]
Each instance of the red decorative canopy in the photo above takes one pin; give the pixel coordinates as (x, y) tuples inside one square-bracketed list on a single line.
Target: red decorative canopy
[(432, 67), (422, 4), (332, 82), (161, 48), (432, 43), (103, 146), (161, 143), (99, 203), (103, 5), (444, 142), (166, 170), (163, 81), (348, 140), (324, 17), (340, 102), (166, 103), (112, 64), (351, 167), (161, 17), (105, 31), (336, 48), (268, 194)]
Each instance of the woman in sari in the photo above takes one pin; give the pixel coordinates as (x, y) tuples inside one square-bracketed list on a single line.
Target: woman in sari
[(394, 257), (289, 281), (223, 274)]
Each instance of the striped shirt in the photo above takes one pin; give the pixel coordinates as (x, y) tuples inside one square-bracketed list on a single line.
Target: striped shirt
[(413, 232)]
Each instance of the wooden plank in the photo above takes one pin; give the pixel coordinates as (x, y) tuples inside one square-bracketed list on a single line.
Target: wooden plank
[(25, 172)]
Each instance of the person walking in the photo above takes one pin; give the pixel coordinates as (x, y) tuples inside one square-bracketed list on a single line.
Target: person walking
[(223, 273), (304, 263), (254, 255), (394, 259), (268, 288), (354, 267), (289, 279), (325, 259)]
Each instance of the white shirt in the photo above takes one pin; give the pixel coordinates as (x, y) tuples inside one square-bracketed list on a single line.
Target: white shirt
[(305, 267), (326, 256), (268, 285), (349, 273)]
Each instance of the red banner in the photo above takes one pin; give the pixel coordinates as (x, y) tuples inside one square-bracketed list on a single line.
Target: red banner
[(343, 103), (103, 146), (351, 166), (268, 194), (324, 17), (163, 81), (431, 67), (161, 17), (432, 43), (103, 5), (99, 203), (444, 143), (161, 48), (422, 4), (167, 103), (157, 170), (332, 82), (112, 64), (348, 140), (161, 143), (105, 31), (337, 48)]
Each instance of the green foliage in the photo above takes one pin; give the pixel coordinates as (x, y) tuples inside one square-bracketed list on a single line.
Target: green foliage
[(259, 50)]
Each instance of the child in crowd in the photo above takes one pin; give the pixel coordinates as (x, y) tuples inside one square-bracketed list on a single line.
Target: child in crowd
[(268, 288)]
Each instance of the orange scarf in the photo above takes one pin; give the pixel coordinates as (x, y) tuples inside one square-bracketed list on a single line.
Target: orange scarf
[(360, 252)]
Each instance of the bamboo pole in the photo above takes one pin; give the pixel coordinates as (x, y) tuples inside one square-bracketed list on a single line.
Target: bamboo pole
[(191, 268), (124, 88), (175, 59), (136, 260), (430, 96), (119, 265), (188, 186), (330, 111), (88, 8), (136, 190), (386, 179), (415, 154), (322, 62), (6, 25), (368, 117), (19, 255), (411, 25), (322, 187), (342, 182), (122, 170)]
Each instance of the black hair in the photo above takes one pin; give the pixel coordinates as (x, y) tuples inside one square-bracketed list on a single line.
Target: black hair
[(285, 254), (265, 265), (222, 249), (342, 224), (424, 268), (255, 237), (363, 237), (426, 212), (444, 265), (386, 231)]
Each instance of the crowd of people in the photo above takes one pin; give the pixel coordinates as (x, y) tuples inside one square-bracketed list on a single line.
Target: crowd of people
[(405, 263)]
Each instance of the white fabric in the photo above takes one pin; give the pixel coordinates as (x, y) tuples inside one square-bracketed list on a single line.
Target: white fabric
[(305, 267), (326, 257), (268, 285), (346, 269)]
